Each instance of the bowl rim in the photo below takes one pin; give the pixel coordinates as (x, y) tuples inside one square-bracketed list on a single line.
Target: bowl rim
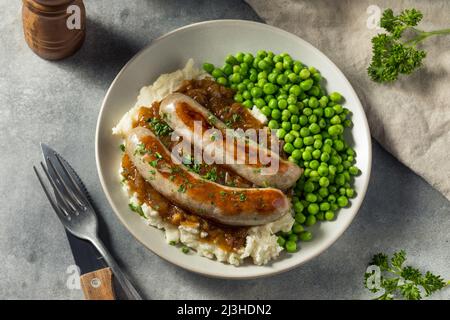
[(270, 272)]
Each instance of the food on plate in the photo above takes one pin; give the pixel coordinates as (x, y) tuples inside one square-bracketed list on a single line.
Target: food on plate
[(228, 205), (233, 210), (180, 112), (311, 124)]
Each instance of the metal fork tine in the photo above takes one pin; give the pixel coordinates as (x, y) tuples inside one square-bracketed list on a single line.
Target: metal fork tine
[(64, 205), (68, 191), (72, 181), (61, 215)]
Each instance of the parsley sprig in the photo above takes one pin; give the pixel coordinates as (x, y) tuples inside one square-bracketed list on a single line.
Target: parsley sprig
[(399, 280), (396, 52)]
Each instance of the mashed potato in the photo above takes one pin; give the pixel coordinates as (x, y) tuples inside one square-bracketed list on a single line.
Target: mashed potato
[(261, 242)]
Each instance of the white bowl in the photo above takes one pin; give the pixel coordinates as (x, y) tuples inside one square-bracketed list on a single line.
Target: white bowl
[(211, 41)]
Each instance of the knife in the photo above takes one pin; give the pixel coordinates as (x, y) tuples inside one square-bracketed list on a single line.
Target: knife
[(96, 278)]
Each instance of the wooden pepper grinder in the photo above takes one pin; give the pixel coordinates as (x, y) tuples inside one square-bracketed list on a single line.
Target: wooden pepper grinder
[(54, 29)]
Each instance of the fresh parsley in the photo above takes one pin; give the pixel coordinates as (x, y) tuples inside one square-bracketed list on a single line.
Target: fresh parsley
[(159, 127), (137, 208), (398, 280), (396, 51)]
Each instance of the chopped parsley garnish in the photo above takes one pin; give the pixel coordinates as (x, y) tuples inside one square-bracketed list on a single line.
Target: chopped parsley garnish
[(140, 149), (182, 188), (212, 119), (185, 249), (122, 147), (211, 175), (154, 163), (173, 242), (159, 127), (137, 208), (242, 197)]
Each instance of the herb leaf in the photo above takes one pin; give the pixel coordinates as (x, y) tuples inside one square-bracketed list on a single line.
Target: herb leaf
[(396, 280), (394, 55)]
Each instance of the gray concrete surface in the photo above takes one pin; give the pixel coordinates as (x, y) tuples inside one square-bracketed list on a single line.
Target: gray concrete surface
[(58, 102)]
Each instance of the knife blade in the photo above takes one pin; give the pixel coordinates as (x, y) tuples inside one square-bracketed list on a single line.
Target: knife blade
[(86, 256)]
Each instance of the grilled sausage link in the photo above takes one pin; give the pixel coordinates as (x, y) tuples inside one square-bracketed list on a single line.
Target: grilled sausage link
[(243, 155), (228, 205)]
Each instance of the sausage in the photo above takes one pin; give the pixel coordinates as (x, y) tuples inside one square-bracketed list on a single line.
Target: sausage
[(228, 205), (181, 113)]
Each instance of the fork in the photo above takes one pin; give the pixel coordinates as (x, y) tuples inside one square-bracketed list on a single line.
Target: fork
[(77, 214)]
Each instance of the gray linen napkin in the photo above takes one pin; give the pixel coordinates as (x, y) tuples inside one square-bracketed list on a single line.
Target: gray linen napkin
[(410, 118)]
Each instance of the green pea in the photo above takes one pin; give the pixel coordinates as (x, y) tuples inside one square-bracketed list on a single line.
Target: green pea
[(256, 92), (331, 197), (281, 241), (304, 132), (311, 219), (235, 78), (342, 201), (314, 91), (306, 84), (338, 109), (306, 155), (323, 192), (286, 125), (353, 170), (217, 73), (266, 111), (289, 138), (300, 217), (276, 114), (295, 90), (282, 79), (248, 58), (298, 207), (208, 67), (269, 88), (324, 206), (313, 102), (339, 144), (308, 140), (307, 111), (297, 227), (303, 120), (273, 124), (324, 182), (292, 99), (222, 81), (314, 164), (294, 119), (304, 74), (297, 154), (305, 236), (298, 143), (314, 128), (309, 186), (317, 143), (329, 215), (282, 104), (310, 197), (350, 193), (293, 108), (292, 77), (291, 246), (280, 134), (335, 130), (335, 97), (294, 132), (335, 120), (247, 104)]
